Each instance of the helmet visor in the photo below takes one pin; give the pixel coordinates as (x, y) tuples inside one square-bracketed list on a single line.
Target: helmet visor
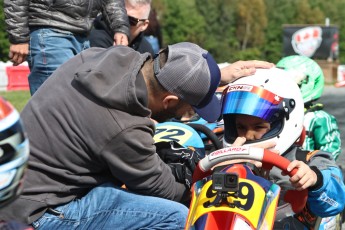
[(254, 101)]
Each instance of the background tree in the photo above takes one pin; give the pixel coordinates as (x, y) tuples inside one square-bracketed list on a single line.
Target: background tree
[(251, 23), (334, 10), (234, 29), (181, 22), (219, 27), (278, 13), (308, 14)]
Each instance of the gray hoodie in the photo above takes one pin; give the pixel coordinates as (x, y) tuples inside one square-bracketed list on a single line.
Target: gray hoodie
[(89, 124)]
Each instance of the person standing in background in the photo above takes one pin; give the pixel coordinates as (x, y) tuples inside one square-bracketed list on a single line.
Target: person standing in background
[(138, 16), (48, 33), (153, 33)]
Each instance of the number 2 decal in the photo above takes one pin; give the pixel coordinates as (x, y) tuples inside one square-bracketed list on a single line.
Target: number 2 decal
[(167, 134)]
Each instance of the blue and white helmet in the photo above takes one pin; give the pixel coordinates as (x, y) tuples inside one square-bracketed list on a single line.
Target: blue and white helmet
[(269, 94), (181, 133), (14, 153)]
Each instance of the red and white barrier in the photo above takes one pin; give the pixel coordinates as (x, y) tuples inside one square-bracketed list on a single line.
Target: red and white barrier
[(14, 77)]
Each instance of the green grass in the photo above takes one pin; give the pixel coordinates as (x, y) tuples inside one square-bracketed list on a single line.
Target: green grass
[(17, 98)]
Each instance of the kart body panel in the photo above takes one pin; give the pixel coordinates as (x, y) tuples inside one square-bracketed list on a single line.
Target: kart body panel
[(253, 207)]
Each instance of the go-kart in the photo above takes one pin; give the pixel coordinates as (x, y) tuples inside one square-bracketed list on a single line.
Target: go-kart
[(234, 198), (263, 212)]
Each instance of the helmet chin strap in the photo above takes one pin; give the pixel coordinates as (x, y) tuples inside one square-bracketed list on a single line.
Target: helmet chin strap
[(301, 138)]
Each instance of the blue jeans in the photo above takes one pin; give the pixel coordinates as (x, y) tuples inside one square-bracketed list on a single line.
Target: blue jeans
[(109, 207), (49, 48)]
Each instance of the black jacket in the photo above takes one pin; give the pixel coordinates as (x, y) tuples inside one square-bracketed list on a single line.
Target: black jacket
[(102, 36), (74, 16)]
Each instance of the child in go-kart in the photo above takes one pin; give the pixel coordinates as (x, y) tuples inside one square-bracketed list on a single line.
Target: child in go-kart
[(322, 130), (269, 106)]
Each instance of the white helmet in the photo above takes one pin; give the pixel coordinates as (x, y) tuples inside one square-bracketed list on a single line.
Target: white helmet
[(14, 153), (272, 95)]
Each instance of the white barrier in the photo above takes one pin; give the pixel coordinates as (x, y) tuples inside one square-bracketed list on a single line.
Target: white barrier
[(340, 76)]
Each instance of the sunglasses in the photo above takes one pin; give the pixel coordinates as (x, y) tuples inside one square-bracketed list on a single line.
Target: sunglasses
[(134, 21)]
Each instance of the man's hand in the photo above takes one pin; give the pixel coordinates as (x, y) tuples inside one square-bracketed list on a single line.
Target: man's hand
[(241, 69), (304, 178), (18, 53), (120, 39), (182, 161)]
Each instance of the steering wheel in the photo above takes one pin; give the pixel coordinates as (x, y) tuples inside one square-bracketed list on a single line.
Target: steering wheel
[(296, 200), (210, 135)]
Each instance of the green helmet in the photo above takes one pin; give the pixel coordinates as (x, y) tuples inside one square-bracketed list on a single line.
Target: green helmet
[(308, 75)]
